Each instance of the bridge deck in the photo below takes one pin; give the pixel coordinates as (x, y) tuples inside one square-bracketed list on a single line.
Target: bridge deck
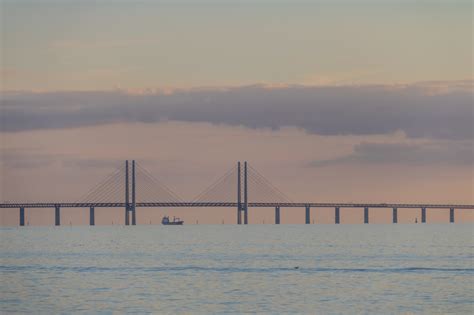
[(234, 204)]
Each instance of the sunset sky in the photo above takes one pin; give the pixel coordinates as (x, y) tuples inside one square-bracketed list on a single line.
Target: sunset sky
[(333, 101)]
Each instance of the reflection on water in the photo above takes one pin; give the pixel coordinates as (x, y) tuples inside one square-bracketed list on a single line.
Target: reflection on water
[(219, 268)]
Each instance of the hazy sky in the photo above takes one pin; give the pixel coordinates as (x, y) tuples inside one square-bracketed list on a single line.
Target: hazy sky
[(57, 45), (363, 101)]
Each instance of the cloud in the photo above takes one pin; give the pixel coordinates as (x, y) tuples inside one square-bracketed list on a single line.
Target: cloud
[(339, 110), (458, 153), (24, 159)]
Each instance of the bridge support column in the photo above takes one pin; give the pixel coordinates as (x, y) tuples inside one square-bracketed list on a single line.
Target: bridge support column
[(423, 215), (239, 195), (337, 218), (133, 208), (91, 216), (366, 215), (57, 216), (127, 205), (451, 215), (22, 216), (307, 215), (246, 205), (134, 218), (277, 215), (395, 215), (127, 218)]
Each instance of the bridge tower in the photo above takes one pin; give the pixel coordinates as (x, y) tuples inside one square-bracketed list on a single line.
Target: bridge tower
[(246, 205), (223, 191), (133, 206), (239, 196), (242, 206), (127, 221), (130, 207)]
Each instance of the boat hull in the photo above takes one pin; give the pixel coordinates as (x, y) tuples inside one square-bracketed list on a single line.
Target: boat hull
[(174, 223)]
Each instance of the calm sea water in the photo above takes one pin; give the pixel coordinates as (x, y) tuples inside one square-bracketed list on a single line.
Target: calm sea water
[(226, 269)]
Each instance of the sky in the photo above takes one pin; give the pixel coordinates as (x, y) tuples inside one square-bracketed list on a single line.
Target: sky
[(332, 101)]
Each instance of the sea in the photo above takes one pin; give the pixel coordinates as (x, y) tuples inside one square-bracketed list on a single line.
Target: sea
[(307, 269)]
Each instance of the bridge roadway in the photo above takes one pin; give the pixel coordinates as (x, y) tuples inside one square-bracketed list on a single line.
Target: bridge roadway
[(234, 204), (277, 205)]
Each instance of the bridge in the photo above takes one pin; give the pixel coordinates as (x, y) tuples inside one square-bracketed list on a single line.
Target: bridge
[(241, 187)]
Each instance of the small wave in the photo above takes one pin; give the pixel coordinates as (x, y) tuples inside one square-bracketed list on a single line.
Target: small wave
[(183, 269)]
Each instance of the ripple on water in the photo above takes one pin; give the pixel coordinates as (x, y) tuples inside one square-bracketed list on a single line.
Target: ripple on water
[(220, 269)]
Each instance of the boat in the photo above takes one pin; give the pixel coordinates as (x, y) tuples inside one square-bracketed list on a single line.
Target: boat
[(176, 221)]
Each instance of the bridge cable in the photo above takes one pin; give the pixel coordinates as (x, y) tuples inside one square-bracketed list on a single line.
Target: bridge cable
[(266, 183), (154, 187), (102, 187), (219, 188)]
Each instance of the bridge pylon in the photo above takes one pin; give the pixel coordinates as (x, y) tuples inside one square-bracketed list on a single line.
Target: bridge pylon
[(130, 207), (239, 196), (248, 179), (242, 205), (127, 201)]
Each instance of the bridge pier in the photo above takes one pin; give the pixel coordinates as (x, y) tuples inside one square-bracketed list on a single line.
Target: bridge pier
[(22, 216), (451, 215), (239, 196), (127, 220), (395, 215), (133, 208), (277, 215), (91, 216), (134, 218), (127, 205), (246, 204), (307, 215), (337, 218), (366, 215), (423, 215), (57, 215)]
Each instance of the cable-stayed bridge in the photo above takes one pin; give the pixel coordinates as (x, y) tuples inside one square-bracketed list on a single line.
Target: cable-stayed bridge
[(131, 186)]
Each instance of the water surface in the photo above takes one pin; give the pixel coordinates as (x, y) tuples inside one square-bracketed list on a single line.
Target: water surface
[(226, 269)]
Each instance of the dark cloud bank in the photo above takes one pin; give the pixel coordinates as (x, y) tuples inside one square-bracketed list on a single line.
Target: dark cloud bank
[(460, 153), (362, 110)]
